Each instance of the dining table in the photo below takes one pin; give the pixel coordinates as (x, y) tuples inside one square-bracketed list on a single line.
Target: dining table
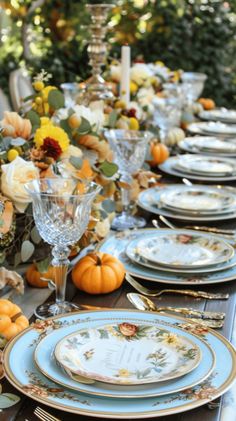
[(222, 409)]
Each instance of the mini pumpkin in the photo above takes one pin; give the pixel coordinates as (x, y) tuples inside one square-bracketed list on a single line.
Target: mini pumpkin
[(207, 103), (8, 224), (12, 321), (175, 135), (98, 273), (34, 274), (159, 153)]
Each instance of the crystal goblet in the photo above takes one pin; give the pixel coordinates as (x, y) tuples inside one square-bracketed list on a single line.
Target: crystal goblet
[(129, 147), (61, 210), (167, 114), (71, 92), (192, 85)]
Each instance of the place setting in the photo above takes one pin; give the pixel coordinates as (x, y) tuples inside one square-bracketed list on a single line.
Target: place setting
[(147, 363), (208, 145), (200, 167), (212, 128), (219, 114)]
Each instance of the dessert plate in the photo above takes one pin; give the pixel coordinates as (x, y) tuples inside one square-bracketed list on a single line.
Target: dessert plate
[(29, 381), (45, 361), (184, 249)]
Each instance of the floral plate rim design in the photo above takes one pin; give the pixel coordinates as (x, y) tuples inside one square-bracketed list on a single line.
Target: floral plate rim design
[(47, 393), (44, 352), (210, 250), (186, 354)]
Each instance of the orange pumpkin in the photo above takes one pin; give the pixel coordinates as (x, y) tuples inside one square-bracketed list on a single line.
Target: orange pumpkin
[(207, 103), (159, 153), (98, 273), (33, 276), (12, 321)]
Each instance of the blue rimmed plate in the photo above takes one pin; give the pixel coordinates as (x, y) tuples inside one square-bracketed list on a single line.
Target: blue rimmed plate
[(117, 244), (28, 379), (45, 361)]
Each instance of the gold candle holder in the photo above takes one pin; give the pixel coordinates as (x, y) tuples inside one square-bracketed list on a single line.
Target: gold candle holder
[(96, 87)]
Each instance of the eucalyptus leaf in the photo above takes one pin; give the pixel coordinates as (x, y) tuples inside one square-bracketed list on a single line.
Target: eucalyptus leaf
[(43, 265), (35, 237), (18, 141), (56, 99), (8, 399), (109, 205), (27, 249), (85, 126), (17, 259), (76, 161), (108, 168), (3, 155), (112, 119), (65, 126), (34, 118)]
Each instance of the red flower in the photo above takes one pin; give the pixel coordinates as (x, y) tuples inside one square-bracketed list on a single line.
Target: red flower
[(132, 112), (52, 148)]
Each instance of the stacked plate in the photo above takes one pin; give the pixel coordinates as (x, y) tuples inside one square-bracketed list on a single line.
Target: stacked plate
[(201, 167), (219, 114), (139, 364), (215, 128), (208, 145), (181, 257), (190, 203)]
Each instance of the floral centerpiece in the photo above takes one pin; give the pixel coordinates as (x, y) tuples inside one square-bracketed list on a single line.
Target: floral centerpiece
[(49, 140)]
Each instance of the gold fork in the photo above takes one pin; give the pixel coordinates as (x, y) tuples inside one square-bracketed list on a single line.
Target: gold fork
[(44, 415), (156, 293)]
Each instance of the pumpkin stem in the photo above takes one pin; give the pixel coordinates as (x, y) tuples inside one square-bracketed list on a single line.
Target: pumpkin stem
[(15, 317), (99, 261)]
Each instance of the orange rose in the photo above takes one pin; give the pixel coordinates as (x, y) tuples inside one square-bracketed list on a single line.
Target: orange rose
[(128, 329), (16, 126)]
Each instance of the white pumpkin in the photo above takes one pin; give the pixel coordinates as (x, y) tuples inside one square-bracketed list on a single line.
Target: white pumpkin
[(175, 135)]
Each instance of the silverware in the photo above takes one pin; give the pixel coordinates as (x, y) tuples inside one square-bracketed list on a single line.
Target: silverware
[(146, 303), (166, 222), (44, 415), (156, 293)]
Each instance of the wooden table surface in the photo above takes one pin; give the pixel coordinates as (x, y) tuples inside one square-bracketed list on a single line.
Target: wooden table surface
[(24, 409)]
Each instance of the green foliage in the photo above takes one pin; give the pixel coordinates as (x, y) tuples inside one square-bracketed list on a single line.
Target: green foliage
[(194, 35)]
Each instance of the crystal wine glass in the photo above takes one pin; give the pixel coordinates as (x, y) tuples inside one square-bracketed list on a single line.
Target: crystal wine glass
[(71, 93), (61, 209), (192, 85), (167, 114), (129, 147)]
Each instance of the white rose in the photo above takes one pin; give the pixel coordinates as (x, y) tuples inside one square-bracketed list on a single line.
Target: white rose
[(139, 73), (95, 117), (102, 228), (14, 177), (71, 151)]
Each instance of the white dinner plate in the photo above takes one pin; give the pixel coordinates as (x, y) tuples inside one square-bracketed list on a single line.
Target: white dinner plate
[(208, 145), (206, 165), (219, 114), (184, 249), (212, 128)]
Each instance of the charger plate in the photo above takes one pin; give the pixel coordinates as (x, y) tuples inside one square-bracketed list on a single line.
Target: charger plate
[(111, 354), (184, 249), (117, 244), (27, 378), (150, 200), (46, 363), (132, 251)]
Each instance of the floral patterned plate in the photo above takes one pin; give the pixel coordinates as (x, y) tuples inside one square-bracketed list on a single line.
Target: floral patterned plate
[(170, 166), (127, 354), (198, 199), (45, 361), (150, 200), (206, 165), (132, 252), (208, 146), (117, 244), (212, 128), (28, 379), (184, 249)]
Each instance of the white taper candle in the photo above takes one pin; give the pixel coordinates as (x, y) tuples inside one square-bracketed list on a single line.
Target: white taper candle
[(125, 74)]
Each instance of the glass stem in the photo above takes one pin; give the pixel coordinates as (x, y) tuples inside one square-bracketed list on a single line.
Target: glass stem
[(60, 263), (125, 197)]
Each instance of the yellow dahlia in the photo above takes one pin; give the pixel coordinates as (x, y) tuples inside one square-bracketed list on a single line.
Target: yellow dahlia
[(51, 134)]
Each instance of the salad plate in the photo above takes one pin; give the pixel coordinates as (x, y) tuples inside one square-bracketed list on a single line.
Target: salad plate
[(31, 382), (184, 249), (171, 166), (206, 165), (198, 199), (117, 244), (46, 363), (133, 254), (219, 114), (106, 353), (212, 128), (208, 145), (150, 200)]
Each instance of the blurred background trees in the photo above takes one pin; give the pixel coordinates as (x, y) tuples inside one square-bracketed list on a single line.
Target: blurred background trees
[(197, 35)]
